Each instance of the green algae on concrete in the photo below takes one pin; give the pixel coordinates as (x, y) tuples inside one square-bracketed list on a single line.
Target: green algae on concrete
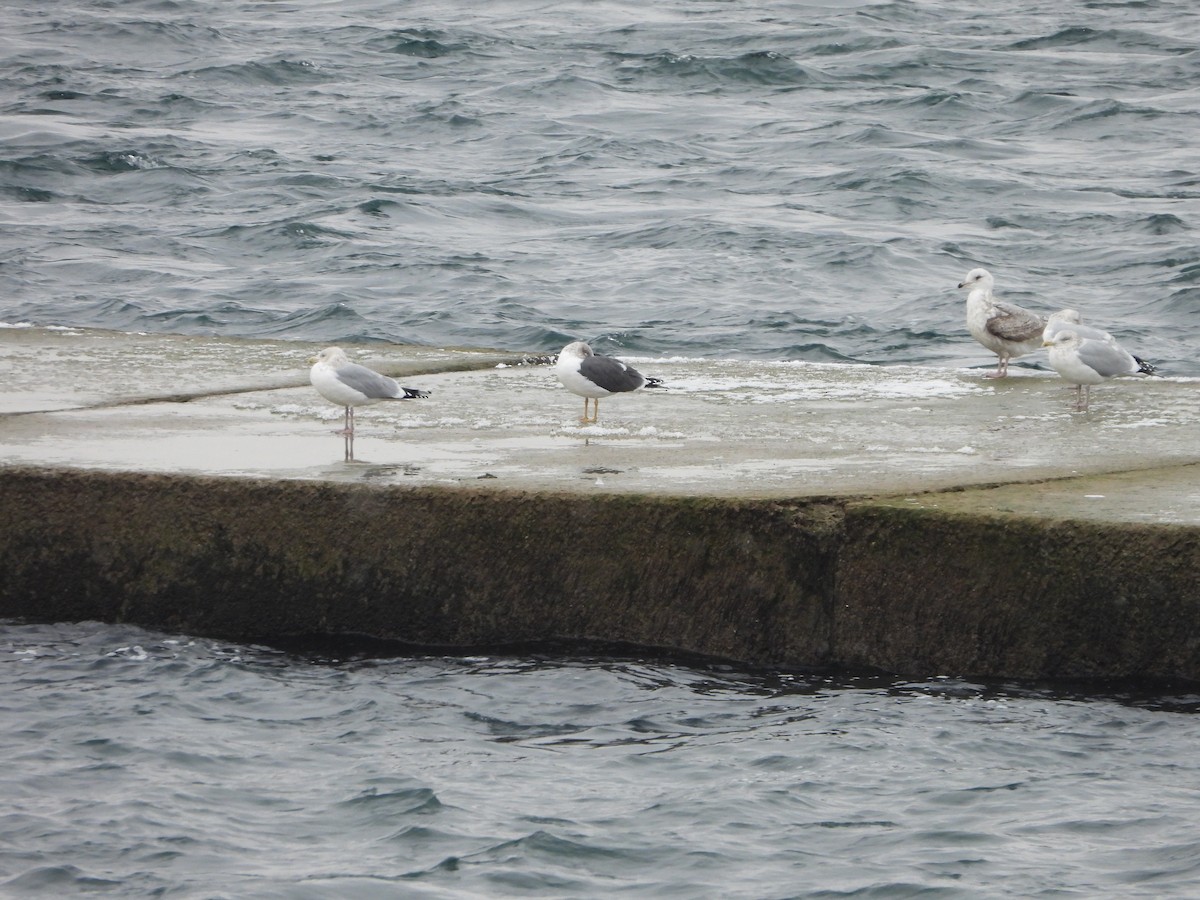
[(249, 559), (817, 582), (921, 589)]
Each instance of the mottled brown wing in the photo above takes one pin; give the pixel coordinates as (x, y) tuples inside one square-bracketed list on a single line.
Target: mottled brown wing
[(1015, 323)]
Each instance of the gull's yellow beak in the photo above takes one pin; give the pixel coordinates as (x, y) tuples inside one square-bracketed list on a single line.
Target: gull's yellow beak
[(312, 360), (1047, 343)]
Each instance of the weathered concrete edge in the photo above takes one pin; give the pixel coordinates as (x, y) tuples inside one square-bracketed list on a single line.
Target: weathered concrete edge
[(392, 370), (808, 583)]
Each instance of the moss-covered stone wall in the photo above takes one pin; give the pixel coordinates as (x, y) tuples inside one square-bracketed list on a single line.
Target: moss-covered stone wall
[(959, 593), (808, 583)]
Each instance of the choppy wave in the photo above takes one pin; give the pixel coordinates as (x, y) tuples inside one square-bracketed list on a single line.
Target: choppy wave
[(148, 764), (675, 180)]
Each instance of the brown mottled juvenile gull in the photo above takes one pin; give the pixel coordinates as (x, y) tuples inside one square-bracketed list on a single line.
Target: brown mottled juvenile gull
[(1006, 329), (593, 376)]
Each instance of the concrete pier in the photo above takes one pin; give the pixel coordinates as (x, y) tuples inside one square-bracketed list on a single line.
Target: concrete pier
[(915, 520)]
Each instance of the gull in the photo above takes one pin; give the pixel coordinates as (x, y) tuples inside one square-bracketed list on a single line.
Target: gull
[(1006, 329), (1070, 320), (1086, 361), (593, 376), (348, 384)]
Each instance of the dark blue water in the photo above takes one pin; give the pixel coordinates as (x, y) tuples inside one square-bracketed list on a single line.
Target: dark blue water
[(777, 180), (140, 764)]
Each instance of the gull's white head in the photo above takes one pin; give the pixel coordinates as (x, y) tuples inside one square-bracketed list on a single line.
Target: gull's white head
[(977, 278), (576, 349), (333, 356), (1063, 339), (1070, 316)]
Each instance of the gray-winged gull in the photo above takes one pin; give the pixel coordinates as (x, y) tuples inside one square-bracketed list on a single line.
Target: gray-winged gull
[(593, 376), (1070, 320), (1087, 361), (348, 384), (1006, 329)]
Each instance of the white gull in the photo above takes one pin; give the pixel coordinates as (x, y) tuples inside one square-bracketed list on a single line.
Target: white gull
[(1087, 361), (348, 384)]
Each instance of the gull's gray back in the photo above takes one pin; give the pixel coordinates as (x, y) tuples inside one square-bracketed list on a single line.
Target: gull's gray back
[(372, 384), (1107, 359)]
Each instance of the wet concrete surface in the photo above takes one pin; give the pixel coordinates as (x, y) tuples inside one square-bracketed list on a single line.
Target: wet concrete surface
[(82, 399)]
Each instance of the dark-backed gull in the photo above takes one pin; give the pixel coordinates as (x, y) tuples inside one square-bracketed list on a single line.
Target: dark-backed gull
[(593, 376)]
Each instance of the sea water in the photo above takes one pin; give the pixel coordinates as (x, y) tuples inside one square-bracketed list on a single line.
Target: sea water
[(773, 180), (143, 764)]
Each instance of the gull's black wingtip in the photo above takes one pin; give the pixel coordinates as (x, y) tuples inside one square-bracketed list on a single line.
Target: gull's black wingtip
[(1145, 368)]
